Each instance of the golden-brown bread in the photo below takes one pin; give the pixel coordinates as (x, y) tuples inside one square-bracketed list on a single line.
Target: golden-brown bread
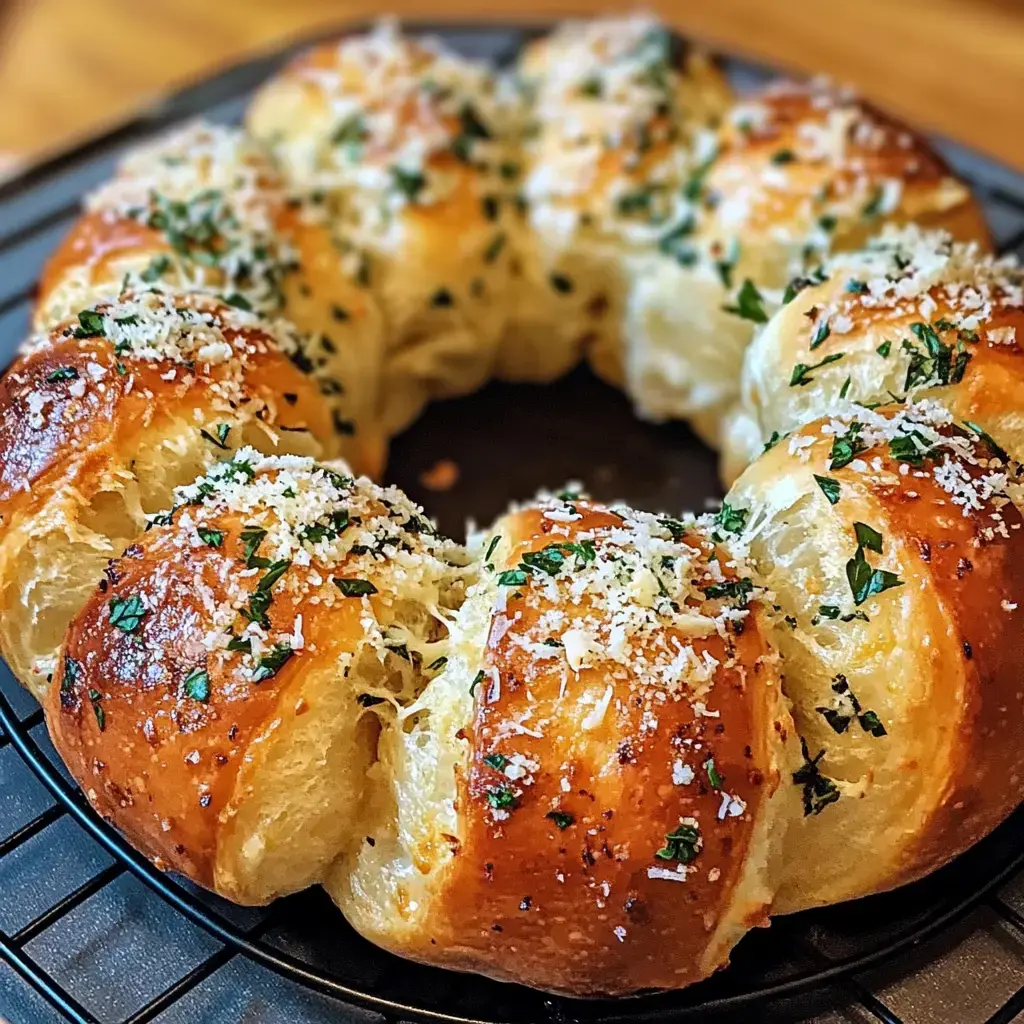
[(795, 172), (212, 694), (402, 139), (892, 550), (613, 109), (584, 775), (103, 417), (203, 209), (914, 312), (591, 796)]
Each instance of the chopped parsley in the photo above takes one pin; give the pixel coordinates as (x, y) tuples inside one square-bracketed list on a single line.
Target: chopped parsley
[(739, 591), (90, 324), (354, 587), (158, 266), (260, 599), (477, 680), (846, 447), (408, 183), (562, 819), (884, 349), (819, 790), (938, 363), (713, 777), (839, 718), (673, 242), (987, 438), (496, 761), (561, 283), (493, 250), (197, 685), (512, 578), (731, 520), (219, 435), (681, 845), (272, 662), (829, 487), (127, 613), (800, 375), (502, 797), (820, 334), (471, 128), (749, 304), (101, 718), (864, 581), (210, 537), (62, 373)]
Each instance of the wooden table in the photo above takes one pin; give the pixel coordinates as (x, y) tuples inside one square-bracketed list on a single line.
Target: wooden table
[(68, 67)]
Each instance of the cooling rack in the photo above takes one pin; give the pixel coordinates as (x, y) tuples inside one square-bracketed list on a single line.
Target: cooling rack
[(91, 933)]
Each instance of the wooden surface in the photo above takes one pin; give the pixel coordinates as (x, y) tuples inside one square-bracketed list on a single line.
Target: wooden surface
[(68, 67)]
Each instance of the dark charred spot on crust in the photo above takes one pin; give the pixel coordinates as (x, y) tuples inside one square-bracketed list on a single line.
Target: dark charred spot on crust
[(968, 650), (963, 567), (133, 551), (926, 550), (636, 910)]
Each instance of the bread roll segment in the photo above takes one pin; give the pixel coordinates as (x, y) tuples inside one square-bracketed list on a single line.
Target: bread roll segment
[(203, 209), (590, 795), (613, 110), (212, 695), (891, 547), (403, 140), (103, 417), (915, 312), (795, 172)]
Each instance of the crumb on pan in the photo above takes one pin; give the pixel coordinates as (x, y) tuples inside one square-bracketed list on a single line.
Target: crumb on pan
[(443, 475)]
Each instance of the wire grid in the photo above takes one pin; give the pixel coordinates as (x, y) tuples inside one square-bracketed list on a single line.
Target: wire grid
[(35, 211)]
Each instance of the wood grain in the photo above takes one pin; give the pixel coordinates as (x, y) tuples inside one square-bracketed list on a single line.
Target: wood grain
[(68, 67)]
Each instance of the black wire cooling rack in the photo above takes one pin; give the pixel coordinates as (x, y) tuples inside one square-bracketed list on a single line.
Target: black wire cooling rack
[(93, 934)]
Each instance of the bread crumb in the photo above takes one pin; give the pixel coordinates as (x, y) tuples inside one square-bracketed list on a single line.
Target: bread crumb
[(443, 475)]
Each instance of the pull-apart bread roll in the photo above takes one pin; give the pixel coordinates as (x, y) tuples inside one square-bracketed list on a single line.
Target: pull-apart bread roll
[(400, 141), (103, 417), (613, 110), (591, 796), (203, 209), (893, 549), (211, 695), (794, 173), (913, 313)]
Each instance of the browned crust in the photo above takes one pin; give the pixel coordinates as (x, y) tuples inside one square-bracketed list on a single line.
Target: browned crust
[(530, 901), (81, 437), (161, 765), (974, 576)]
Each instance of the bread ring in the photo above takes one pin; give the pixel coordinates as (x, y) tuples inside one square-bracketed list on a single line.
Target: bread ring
[(212, 694), (103, 417), (591, 751), (608, 727), (914, 312), (891, 546)]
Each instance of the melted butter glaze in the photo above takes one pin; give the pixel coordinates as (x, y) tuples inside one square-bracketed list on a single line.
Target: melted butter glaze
[(165, 766), (574, 907)]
